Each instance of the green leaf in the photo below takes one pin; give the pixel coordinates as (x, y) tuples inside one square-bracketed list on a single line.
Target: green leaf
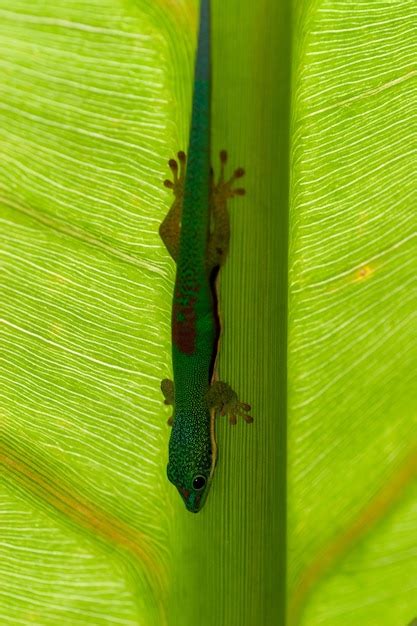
[(352, 441), (84, 312), (94, 99)]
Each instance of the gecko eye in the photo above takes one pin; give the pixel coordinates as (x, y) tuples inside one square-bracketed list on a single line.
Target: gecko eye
[(199, 482)]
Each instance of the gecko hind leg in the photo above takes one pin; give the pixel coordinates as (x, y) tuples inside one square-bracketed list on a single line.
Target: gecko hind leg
[(221, 396), (167, 388), (221, 191), (169, 230)]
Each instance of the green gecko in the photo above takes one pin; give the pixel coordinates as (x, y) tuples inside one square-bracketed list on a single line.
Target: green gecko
[(196, 233)]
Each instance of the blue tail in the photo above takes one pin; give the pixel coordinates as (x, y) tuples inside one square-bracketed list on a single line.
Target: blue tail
[(195, 221)]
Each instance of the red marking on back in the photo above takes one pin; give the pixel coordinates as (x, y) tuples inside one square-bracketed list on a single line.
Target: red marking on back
[(184, 322)]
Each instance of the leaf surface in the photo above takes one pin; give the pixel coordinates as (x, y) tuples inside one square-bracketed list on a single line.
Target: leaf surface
[(352, 322)]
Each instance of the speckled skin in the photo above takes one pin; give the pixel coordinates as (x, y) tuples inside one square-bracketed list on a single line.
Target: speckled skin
[(196, 232)]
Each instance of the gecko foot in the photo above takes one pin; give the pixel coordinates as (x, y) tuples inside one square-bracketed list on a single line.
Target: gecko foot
[(167, 388), (224, 189), (178, 174), (222, 397)]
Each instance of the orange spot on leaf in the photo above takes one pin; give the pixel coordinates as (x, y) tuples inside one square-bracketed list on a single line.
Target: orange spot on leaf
[(363, 273)]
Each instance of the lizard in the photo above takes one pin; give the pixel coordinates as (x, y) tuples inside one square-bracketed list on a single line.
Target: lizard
[(196, 233)]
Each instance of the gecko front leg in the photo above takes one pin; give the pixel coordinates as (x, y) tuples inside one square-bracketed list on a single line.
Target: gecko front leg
[(167, 388), (221, 397)]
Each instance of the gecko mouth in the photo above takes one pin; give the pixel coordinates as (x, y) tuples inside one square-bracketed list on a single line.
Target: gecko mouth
[(193, 501)]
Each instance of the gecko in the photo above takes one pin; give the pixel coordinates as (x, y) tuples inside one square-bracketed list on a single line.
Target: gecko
[(196, 233)]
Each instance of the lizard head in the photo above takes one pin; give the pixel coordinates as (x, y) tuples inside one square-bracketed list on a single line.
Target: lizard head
[(190, 466), (194, 493), (192, 482)]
